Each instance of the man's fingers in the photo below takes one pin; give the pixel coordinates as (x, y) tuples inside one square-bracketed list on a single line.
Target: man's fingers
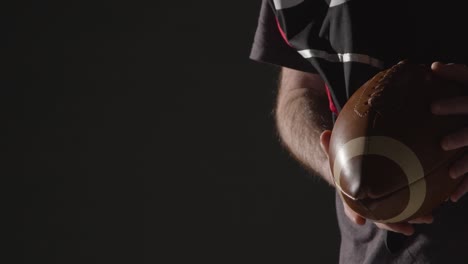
[(456, 72), (459, 168), (456, 140), (461, 190), (453, 106), (427, 219), (357, 219), (404, 228), (353, 216)]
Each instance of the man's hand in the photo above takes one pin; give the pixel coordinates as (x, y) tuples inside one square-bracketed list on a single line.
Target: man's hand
[(405, 228), (454, 106)]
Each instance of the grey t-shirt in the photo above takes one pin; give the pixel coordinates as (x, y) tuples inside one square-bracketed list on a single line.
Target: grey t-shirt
[(347, 42)]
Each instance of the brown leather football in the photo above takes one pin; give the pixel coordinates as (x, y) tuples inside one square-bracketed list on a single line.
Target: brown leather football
[(385, 153)]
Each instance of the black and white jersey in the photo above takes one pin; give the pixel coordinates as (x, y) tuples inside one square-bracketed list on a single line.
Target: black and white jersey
[(348, 41)]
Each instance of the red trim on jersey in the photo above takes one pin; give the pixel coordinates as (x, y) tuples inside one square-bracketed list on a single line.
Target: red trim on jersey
[(330, 101), (282, 32)]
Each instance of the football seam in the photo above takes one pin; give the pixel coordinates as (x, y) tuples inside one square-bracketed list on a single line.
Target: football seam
[(429, 174)]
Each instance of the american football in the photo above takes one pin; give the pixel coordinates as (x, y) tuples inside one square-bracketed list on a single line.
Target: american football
[(385, 154)]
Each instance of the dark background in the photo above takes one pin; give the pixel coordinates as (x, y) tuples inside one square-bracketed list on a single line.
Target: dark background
[(137, 132)]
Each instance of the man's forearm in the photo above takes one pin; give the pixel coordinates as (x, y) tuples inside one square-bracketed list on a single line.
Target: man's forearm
[(301, 116)]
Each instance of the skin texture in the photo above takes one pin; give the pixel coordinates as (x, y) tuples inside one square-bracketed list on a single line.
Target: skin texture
[(304, 125), (301, 116)]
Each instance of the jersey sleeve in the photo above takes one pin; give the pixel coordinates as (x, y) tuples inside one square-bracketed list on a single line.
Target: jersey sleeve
[(269, 46)]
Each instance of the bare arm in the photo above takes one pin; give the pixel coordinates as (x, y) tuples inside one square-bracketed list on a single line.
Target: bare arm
[(302, 114)]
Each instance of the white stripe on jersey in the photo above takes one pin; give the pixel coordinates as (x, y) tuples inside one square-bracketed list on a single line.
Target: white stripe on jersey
[(337, 2), (282, 4), (345, 57)]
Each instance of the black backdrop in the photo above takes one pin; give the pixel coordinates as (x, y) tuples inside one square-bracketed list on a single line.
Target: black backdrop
[(141, 132)]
